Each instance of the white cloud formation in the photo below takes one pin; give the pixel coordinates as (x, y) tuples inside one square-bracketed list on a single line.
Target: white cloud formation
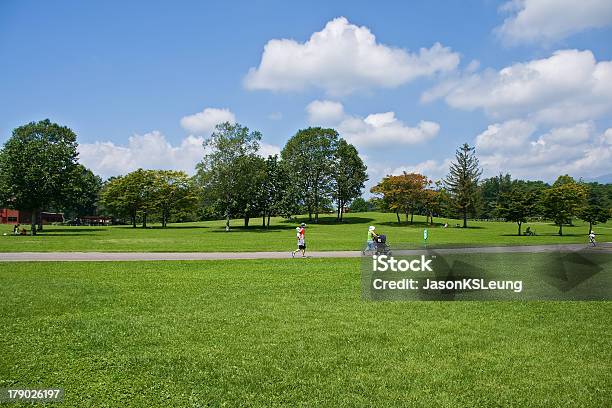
[(275, 116), (433, 169), (266, 150), (377, 129), (551, 20), (343, 58), (325, 112), (149, 151), (567, 87), (510, 135), (577, 150), (204, 122)]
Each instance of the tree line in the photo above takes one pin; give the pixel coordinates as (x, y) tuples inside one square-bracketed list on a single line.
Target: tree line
[(316, 171), (463, 195)]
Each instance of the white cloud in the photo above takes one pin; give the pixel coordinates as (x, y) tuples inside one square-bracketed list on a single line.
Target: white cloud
[(149, 151), (551, 20), (275, 116), (377, 129), (433, 169), (325, 112), (577, 150), (509, 135), (567, 87), (343, 58), (204, 122), (266, 150)]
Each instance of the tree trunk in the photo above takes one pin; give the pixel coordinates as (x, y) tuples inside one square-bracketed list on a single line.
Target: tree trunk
[(342, 212), (246, 221), (519, 228), (560, 228), (398, 218), (338, 212), (411, 216), (33, 219), (227, 220), (40, 222), (465, 219), (590, 226), (268, 220), (144, 219)]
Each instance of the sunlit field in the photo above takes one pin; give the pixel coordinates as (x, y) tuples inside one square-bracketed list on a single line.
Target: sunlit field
[(287, 332), (327, 235)]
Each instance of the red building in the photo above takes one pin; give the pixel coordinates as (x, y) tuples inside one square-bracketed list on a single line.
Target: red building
[(8, 216)]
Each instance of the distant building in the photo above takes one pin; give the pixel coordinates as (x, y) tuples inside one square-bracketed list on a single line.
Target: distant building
[(8, 216)]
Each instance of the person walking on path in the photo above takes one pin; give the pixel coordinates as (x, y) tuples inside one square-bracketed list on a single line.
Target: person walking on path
[(372, 235), (301, 239), (592, 238)]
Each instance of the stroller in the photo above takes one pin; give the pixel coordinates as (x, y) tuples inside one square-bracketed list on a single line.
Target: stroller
[(380, 247)]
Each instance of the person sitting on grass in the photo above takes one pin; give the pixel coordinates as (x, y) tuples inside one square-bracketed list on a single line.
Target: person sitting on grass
[(372, 235), (16, 229)]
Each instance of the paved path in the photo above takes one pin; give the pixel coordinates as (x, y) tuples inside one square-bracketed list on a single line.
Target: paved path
[(197, 256)]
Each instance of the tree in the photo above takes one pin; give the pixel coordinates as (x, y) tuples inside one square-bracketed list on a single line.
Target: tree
[(310, 157), (462, 181), (433, 200), (82, 193), (130, 195), (402, 193), (359, 205), (174, 192), (517, 205), (597, 208), (250, 181), (218, 173), (562, 202), (350, 175), (36, 166), (491, 189), (275, 190)]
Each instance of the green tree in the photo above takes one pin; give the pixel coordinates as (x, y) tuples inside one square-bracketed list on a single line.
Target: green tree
[(82, 193), (219, 172), (275, 190), (359, 205), (310, 158), (462, 181), (517, 205), (490, 190), (350, 175), (174, 192), (36, 165), (597, 208), (562, 202)]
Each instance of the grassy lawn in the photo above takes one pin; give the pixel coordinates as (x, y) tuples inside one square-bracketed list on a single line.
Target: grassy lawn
[(327, 235), (287, 332)]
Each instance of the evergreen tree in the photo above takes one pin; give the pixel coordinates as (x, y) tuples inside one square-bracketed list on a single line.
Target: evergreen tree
[(462, 181)]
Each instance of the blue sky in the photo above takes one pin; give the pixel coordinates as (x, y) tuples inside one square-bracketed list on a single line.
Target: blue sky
[(528, 82)]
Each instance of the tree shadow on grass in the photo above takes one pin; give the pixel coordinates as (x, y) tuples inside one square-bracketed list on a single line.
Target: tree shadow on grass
[(329, 220), (422, 224), (68, 231), (253, 228)]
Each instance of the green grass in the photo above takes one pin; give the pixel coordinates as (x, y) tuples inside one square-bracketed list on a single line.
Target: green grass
[(327, 235), (287, 332)]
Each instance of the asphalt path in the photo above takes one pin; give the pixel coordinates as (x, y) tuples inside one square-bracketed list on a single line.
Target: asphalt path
[(204, 256)]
